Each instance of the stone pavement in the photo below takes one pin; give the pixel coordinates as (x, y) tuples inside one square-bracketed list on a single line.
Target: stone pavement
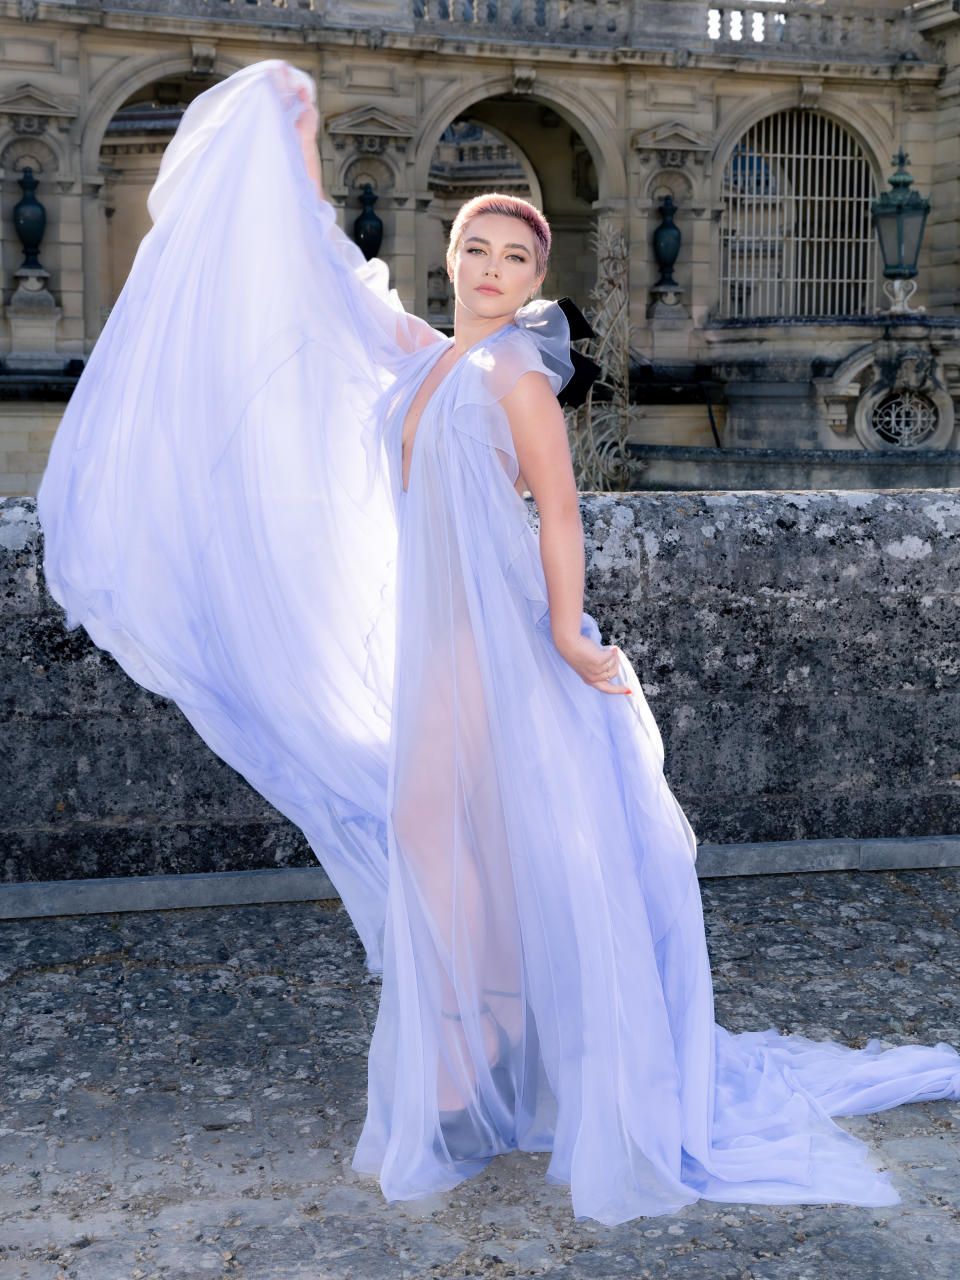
[(181, 1092)]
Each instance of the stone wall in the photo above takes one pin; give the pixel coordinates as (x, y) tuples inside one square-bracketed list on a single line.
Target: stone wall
[(800, 651)]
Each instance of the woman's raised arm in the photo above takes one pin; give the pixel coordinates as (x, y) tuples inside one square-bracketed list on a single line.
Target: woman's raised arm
[(410, 332), (306, 125)]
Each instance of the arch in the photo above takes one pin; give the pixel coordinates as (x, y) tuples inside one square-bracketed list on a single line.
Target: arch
[(533, 182), (796, 237), (595, 137), (834, 106), (599, 135), (121, 83)]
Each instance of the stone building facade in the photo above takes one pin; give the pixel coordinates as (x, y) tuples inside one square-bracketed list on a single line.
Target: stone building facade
[(767, 358)]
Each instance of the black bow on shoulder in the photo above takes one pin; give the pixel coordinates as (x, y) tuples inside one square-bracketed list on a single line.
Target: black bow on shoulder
[(585, 370)]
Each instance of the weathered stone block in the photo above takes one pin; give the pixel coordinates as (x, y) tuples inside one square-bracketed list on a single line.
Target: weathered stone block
[(800, 652)]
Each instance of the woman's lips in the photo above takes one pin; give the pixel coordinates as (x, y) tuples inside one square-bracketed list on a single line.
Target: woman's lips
[(487, 288)]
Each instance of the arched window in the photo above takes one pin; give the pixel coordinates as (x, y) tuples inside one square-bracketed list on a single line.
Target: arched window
[(796, 235)]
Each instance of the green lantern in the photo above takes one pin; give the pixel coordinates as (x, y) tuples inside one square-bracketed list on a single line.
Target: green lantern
[(899, 216)]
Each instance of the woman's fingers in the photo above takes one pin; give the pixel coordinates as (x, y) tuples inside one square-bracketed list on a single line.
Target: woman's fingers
[(611, 666), (605, 686), (596, 665)]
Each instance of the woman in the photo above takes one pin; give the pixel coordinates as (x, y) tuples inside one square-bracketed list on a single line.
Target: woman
[(295, 509)]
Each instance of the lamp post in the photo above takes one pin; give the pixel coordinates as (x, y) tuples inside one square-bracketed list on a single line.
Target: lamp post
[(899, 217)]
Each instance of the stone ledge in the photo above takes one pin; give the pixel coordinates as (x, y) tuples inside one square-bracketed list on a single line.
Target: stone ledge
[(309, 884), (778, 857), (163, 893)]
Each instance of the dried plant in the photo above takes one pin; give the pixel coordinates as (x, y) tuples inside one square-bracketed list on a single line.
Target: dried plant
[(599, 429)]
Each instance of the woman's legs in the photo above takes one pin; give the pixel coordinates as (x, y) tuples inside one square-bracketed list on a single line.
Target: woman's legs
[(450, 833)]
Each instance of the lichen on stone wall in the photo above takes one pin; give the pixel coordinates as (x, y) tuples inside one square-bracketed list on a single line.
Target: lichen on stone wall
[(800, 651)]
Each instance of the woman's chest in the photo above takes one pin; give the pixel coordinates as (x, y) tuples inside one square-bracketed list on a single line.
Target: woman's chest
[(424, 388)]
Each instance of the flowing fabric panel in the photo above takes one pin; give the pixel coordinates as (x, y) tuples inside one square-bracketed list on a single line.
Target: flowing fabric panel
[(214, 509), (546, 982), (379, 665)]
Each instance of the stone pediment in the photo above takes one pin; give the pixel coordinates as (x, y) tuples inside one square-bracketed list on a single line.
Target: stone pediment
[(672, 136), (28, 100), (371, 122)]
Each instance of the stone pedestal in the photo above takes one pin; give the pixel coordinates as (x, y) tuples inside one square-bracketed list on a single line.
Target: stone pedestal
[(33, 316), (666, 310)]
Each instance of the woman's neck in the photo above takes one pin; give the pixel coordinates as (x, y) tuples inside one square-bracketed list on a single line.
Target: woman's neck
[(469, 328)]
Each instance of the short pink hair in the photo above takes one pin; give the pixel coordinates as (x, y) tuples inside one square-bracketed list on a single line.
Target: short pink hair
[(508, 207)]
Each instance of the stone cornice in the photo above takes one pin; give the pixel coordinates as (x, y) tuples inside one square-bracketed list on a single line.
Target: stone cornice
[(934, 15)]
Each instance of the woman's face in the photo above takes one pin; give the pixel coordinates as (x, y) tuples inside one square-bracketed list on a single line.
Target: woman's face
[(495, 266)]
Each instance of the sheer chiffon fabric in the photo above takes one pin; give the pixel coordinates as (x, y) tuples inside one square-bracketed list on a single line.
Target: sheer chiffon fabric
[(224, 513)]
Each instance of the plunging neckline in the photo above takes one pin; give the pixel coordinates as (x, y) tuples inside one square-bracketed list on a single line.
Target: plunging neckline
[(426, 405), (429, 400)]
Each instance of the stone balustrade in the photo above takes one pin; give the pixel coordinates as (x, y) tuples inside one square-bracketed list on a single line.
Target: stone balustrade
[(767, 28), (833, 30), (770, 27)]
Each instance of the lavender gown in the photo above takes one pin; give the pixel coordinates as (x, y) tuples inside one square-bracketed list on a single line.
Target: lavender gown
[(223, 512)]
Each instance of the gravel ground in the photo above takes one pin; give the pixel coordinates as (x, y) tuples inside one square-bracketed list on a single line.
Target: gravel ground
[(182, 1091)]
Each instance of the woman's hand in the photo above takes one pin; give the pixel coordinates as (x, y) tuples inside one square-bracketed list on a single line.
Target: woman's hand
[(308, 119), (595, 664), (305, 122)]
